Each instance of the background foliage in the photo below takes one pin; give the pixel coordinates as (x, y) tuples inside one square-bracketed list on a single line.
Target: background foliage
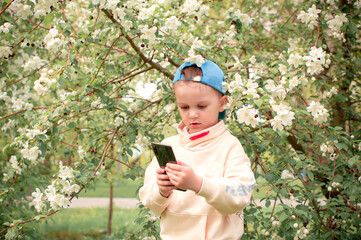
[(76, 93)]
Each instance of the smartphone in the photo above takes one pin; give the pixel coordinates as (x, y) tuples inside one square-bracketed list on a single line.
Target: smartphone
[(164, 153)]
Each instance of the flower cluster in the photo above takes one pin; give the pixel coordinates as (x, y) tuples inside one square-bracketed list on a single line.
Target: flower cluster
[(15, 164), (172, 24), (301, 233), (43, 84), (5, 28), (246, 88), (57, 193), (283, 118), (328, 148), (149, 34), (310, 17), (330, 93), (295, 59), (20, 10), (249, 116), (276, 90), (193, 58), (286, 174), (33, 63), (30, 154), (334, 185), (316, 60), (335, 24), (319, 113), (5, 51), (82, 153), (191, 6), (43, 7), (245, 19), (53, 40)]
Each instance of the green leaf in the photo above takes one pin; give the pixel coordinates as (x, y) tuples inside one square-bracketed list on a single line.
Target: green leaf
[(268, 203), (12, 233), (310, 175), (353, 28), (258, 102), (89, 39), (353, 160), (72, 125), (48, 19)]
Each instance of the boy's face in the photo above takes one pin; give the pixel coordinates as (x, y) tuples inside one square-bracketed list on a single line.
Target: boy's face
[(198, 105)]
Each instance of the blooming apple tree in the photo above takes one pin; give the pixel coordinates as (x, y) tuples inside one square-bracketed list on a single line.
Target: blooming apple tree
[(85, 84)]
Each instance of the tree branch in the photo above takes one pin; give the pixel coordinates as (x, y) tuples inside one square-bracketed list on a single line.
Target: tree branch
[(138, 51)]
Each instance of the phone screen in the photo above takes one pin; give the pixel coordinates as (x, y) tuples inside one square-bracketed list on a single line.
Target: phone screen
[(164, 153)]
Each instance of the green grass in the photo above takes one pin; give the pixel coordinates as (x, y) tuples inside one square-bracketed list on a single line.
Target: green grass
[(87, 223), (121, 189)]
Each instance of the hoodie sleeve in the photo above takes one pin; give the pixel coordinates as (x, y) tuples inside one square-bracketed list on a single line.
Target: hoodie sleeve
[(149, 193), (232, 192)]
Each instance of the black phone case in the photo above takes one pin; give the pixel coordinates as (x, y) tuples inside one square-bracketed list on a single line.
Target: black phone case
[(164, 153)]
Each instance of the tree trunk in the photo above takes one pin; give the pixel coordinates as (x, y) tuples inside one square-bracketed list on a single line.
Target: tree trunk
[(110, 215)]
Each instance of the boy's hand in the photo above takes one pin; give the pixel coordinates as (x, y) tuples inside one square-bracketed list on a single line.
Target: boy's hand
[(182, 176), (165, 186)]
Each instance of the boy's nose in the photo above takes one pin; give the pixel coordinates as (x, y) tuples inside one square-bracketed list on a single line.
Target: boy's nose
[(193, 113)]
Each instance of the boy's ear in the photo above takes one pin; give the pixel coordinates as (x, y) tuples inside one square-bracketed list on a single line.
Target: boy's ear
[(223, 101)]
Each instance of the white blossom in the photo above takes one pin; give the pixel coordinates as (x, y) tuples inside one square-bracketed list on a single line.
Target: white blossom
[(53, 40), (283, 118), (283, 69), (127, 25), (65, 172), (319, 113), (43, 84), (43, 7), (148, 33), (287, 174), (146, 13), (245, 19), (193, 58), (5, 28), (82, 153), (249, 116), (33, 63), (335, 25), (15, 164), (30, 154), (38, 200), (301, 233), (5, 51), (119, 14), (310, 17), (295, 59), (315, 60), (253, 59), (191, 6), (172, 23)]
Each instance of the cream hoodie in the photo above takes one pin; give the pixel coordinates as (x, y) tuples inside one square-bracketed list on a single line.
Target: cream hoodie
[(216, 211)]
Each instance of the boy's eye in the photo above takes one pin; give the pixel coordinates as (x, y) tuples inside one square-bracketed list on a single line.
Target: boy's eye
[(184, 107), (202, 106)]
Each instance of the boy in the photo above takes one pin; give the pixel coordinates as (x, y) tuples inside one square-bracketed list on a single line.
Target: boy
[(211, 165)]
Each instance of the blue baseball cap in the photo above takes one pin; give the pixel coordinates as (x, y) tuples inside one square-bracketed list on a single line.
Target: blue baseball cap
[(212, 76)]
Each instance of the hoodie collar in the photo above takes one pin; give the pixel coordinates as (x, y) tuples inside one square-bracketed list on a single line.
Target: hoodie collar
[(201, 138)]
